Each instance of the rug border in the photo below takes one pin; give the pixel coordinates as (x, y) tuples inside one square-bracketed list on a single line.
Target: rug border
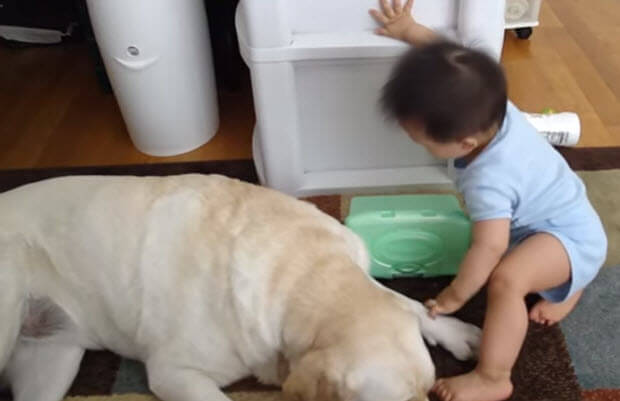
[(592, 158), (586, 158)]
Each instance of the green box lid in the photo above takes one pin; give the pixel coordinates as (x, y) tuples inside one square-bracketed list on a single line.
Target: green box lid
[(411, 235)]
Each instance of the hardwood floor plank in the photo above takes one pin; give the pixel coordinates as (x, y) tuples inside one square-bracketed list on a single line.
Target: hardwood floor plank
[(600, 95), (592, 37), (40, 108)]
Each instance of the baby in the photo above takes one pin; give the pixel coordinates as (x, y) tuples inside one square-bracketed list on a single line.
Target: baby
[(534, 229)]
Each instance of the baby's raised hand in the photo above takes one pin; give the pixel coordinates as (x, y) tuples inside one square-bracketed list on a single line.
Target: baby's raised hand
[(396, 20)]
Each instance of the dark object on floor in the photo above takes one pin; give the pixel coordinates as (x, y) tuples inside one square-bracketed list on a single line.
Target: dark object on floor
[(230, 70), (524, 33), (37, 21)]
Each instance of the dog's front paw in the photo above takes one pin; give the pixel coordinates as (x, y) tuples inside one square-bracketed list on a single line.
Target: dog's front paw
[(459, 338)]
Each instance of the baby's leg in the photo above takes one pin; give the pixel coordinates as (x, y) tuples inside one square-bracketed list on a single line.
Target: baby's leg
[(549, 313), (539, 263)]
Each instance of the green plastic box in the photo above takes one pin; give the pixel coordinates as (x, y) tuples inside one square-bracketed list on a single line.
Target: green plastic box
[(411, 235)]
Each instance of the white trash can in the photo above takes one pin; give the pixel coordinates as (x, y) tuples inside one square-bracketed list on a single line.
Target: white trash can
[(157, 55)]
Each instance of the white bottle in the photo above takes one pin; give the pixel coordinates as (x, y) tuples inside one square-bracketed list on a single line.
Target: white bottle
[(560, 129)]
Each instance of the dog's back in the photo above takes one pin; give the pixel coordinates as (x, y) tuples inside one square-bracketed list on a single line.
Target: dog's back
[(102, 256)]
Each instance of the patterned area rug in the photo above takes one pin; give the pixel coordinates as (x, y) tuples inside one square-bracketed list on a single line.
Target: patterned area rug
[(544, 370)]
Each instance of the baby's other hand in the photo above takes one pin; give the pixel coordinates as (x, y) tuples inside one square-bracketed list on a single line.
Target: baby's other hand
[(396, 19)]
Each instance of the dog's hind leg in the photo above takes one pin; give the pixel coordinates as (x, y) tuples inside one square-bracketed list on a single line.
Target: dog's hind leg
[(36, 369), (170, 382), (12, 296), (42, 371)]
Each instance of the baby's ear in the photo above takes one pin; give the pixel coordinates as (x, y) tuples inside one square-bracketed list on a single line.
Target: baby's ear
[(469, 143)]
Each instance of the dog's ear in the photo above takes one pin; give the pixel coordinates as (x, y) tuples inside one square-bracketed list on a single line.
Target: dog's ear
[(385, 379), (310, 380), (283, 368)]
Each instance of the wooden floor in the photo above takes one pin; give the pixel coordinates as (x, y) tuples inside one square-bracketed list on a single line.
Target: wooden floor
[(571, 62), (53, 113)]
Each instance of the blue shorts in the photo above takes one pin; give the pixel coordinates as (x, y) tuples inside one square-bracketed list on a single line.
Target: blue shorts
[(585, 243)]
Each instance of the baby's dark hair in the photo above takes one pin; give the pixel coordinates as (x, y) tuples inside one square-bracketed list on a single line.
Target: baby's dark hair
[(451, 90)]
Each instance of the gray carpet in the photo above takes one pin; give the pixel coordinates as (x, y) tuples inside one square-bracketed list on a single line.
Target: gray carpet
[(592, 333), (130, 378)]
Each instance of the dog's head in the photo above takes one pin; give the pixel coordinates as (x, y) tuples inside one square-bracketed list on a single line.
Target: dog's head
[(382, 358)]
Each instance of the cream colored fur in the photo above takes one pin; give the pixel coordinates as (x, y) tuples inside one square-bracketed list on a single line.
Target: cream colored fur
[(206, 280)]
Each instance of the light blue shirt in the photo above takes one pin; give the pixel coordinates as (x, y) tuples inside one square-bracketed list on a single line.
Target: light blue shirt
[(520, 176)]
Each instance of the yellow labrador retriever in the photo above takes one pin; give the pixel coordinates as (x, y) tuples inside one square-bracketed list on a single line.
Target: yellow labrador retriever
[(206, 280)]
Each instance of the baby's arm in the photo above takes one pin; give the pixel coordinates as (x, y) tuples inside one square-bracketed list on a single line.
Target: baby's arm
[(490, 241), (398, 23)]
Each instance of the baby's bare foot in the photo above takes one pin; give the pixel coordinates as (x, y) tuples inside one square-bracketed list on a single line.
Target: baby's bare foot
[(548, 313), (473, 386)]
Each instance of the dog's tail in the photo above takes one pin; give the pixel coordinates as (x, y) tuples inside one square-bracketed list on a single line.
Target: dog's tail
[(12, 296)]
